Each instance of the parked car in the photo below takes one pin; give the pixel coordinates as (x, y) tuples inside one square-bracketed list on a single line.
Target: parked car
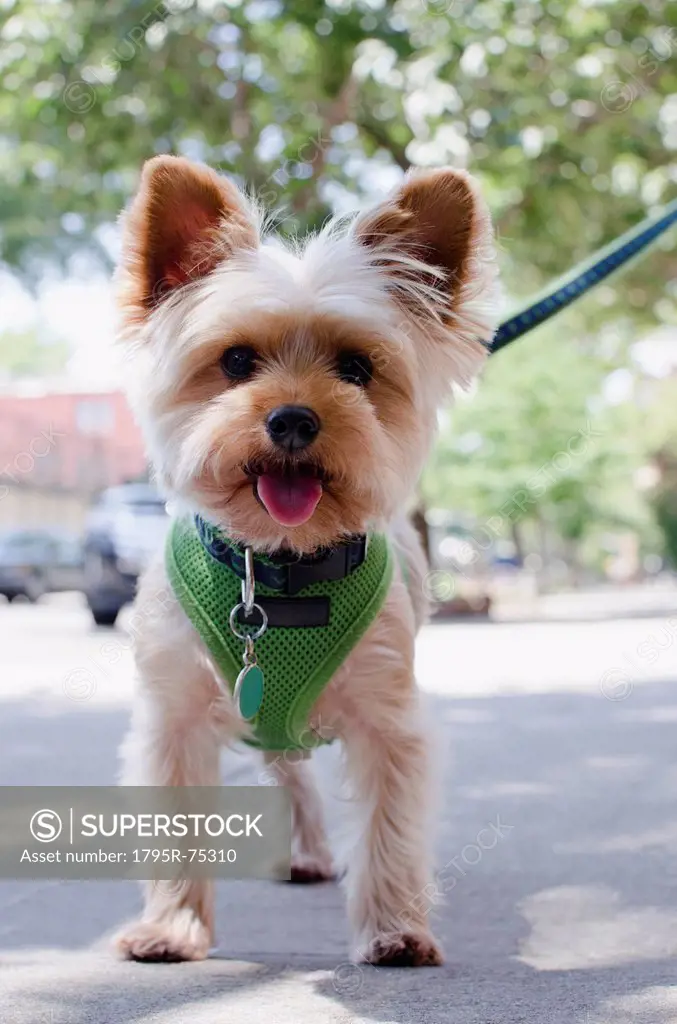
[(125, 527), (37, 562), (460, 555)]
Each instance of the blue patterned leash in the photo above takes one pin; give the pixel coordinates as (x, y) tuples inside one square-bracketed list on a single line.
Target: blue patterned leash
[(584, 277)]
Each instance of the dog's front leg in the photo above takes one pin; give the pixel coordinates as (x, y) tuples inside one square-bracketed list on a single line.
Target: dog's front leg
[(388, 874), (311, 859), (173, 742)]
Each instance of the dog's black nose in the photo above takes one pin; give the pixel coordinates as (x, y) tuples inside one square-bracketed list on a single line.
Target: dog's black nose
[(292, 427)]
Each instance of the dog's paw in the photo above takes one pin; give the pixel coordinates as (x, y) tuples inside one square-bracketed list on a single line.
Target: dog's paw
[(309, 869), (403, 949), (182, 937)]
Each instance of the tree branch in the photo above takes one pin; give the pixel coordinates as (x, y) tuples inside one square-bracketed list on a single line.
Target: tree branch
[(376, 131)]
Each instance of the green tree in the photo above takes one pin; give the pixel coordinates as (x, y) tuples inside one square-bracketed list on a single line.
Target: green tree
[(540, 448), (564, 110), (661, 442), (26, 353)]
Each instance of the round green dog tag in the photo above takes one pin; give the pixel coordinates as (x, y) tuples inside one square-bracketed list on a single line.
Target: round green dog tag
[(249, 691)]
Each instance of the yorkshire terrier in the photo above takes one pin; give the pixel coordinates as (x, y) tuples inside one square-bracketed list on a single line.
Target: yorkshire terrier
[(288, 394)]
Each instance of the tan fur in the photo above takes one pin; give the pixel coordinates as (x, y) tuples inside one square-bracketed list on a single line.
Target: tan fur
[(411, 285), (174, 231), (311, 857), (432, 220)]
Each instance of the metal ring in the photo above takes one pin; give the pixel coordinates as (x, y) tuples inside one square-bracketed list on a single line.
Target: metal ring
[(234, 623)]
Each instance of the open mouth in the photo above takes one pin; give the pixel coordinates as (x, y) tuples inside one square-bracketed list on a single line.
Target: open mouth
[(290, 494)]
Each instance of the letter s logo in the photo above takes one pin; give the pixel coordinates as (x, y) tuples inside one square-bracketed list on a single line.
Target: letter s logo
[(46, 826)]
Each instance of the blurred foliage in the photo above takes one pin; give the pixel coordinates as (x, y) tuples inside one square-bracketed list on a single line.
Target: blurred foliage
[(28, 354), (545, 442), (665, 509), (660, 430), (565, 110)]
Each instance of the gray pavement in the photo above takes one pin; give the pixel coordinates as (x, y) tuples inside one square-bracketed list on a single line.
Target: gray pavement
[(563, 732)]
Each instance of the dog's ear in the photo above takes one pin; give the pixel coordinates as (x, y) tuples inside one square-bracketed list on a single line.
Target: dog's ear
[(183, 221), (433, 238)]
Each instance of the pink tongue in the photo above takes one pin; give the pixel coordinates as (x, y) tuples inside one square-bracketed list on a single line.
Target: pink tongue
[(290, 501)]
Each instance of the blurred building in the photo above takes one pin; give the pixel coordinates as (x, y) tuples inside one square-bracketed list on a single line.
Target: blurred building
[(57, 449)]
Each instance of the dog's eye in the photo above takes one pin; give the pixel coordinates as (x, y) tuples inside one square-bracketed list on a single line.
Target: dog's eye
[(355, 368), (238, 362)]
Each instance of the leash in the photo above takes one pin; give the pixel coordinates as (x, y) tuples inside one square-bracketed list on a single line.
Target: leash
[(585, 276)]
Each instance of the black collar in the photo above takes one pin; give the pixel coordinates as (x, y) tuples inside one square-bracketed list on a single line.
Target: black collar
[(283, 572)]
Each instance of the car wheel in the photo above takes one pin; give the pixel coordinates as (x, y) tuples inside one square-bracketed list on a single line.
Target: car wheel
[(34, 588), (94, 570), (104, 616)]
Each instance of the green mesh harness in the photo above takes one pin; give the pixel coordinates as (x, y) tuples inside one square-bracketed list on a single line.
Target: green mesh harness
[(297, 662)]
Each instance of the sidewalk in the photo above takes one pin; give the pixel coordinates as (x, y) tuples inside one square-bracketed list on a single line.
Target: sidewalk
[(602, 602), (556, 847)]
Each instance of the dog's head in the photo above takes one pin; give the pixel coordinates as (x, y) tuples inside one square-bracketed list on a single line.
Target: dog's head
[(290, 393)]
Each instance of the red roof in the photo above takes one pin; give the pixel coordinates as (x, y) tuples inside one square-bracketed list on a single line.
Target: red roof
[(81, 441)]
